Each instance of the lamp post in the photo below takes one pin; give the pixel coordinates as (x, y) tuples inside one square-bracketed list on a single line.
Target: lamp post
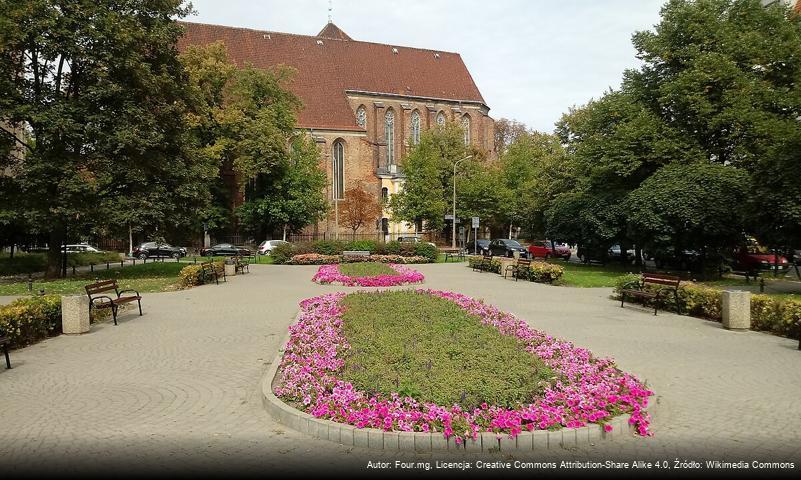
[(453, 222)]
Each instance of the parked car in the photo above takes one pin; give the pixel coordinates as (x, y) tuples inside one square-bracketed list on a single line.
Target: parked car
[(546, 249), (753, 257), (685, 260), (615, 252), (504, 247), (158, 250), (225, 249), (412, 239), (592, 253), (266, 247), (82, 248), (477, 246)]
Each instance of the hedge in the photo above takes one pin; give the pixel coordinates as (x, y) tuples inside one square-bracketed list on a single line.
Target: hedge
[(28, 320), (192, 275), (37, 262), (540, 272), (779, 316), (317, 259), (283, 253)]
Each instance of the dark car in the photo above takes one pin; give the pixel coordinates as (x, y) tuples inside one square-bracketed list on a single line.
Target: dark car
[(225, 249), (477, 246), (504, 247), (592, 253), (158, 250)]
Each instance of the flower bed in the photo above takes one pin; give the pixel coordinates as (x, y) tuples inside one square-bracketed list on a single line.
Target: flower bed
[(318, 259), (585, 390), (331, 274)]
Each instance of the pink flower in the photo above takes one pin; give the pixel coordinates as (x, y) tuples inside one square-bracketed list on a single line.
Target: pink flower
[(331, 273)]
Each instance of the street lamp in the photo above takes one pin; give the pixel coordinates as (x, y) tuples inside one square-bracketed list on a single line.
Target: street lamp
[(453, 233)]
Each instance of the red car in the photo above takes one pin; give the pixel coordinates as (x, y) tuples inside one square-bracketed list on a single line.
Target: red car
[(753, 257), (545, 249)]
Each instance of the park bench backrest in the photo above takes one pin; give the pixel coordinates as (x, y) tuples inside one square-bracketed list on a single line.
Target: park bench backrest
[(522, 262), (356, 253), (661, 279), (102, 286)]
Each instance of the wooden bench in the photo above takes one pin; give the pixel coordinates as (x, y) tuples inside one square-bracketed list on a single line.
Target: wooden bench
[(485, 264), (241, 265), (653, 279), (522, 267), (107, 301), (4, 342), (356, 253), (456, 253), (208, 272)]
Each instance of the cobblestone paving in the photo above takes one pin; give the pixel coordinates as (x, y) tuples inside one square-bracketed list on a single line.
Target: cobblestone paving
[(177, 390)]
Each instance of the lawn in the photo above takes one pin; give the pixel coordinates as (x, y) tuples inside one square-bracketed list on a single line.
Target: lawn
[(150, 277), (366, 269), (431, 349), (591, 276)]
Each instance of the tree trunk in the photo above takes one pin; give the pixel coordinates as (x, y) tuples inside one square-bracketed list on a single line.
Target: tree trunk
[(130, 241), (284, 235), (55, 262), (638, 256)]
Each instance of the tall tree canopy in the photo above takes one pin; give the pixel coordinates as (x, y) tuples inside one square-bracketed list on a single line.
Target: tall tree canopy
[(98, 89)]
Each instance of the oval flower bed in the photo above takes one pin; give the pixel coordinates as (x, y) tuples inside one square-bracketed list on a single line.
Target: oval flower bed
[(367, 275), (570, 389)]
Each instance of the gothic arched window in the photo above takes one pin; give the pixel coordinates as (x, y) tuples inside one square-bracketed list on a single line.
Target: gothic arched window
[(440, 119), (338, 170), (415, 127), (466, 129), (361, 116), (389, 136)]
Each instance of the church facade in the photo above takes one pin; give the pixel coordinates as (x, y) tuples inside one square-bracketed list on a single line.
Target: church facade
[(365, 104)]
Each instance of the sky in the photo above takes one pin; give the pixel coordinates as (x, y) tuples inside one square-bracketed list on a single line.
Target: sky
[(532, 60)]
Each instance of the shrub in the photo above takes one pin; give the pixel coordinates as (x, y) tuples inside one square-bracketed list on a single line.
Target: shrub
[(317, 259), (426, 250), (778, 316), (329, 247), (283, 253), (473, 261), (192, 275), (27, 320), (392, 248), (544, 272), (364, 245)]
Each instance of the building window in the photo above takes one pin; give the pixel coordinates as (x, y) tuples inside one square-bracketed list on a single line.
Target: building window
[(338, 170), (389, 136), (415, 127), (361, 116), (440, 119), (384, 193), (466, 129)]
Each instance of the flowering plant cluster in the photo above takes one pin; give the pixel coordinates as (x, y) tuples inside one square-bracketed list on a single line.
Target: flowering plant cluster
[(331, 273), (318, 259), (586, 390)]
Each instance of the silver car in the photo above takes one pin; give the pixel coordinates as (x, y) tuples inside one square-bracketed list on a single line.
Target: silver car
[(266, 247)]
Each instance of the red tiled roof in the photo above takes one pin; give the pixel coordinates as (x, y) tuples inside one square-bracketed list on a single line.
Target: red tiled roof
[(325, 72)]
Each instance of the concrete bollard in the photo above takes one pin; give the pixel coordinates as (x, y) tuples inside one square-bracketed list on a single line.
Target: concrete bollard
[(736, 310), (74, 314), (230, 269)]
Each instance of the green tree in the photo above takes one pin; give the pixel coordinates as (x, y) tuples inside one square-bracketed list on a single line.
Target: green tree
[(726, 74), (99, 89), (428, 190), (689, 207)]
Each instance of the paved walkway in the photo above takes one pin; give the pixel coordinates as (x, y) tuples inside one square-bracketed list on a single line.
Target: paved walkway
[(178, 389)]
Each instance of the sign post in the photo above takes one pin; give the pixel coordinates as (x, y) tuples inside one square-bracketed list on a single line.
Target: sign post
[(475, 235)]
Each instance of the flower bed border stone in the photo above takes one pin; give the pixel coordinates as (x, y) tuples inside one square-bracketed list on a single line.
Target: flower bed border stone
[(374, 438)]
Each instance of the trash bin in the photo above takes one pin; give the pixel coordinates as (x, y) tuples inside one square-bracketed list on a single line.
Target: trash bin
[(736, 310), (74, 314), (230, 267)]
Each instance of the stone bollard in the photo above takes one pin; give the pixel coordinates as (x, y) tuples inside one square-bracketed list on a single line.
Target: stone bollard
[(230, 268), (74, 314), (736, 310)]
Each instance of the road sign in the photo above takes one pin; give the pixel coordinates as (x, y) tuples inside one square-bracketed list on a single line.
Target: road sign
[(475, 222), (448, 217)]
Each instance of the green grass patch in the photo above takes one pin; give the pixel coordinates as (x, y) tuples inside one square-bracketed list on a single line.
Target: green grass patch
[(432, 350), (366, 269), (150, 277), (591, 276)]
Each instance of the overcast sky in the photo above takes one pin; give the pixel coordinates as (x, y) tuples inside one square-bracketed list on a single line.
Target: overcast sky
[(532, 60)]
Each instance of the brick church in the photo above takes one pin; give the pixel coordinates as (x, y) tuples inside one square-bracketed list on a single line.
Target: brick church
[(365, 103)]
